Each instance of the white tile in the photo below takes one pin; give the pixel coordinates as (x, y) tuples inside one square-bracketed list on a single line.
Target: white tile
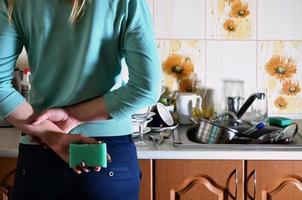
[(150, 3), (280, 19), (218, 12), (179, 19), (233, 61)]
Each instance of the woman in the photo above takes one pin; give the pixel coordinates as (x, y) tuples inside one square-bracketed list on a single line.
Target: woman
[(75, 48)]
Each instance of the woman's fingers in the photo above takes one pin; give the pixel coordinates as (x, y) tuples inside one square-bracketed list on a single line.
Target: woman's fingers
[(97, 169), (83, 168), (42, 117)]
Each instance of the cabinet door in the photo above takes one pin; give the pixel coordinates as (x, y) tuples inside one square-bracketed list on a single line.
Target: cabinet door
[(7, 170), (146, 191), (274, 180), (198, 179)]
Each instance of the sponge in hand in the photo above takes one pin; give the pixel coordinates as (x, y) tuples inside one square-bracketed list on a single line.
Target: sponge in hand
[(91, 154)]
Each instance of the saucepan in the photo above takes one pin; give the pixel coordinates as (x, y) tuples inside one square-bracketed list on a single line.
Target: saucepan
[(218, 131)]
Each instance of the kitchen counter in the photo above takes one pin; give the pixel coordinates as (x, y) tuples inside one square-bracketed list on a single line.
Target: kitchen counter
[(9, 139)]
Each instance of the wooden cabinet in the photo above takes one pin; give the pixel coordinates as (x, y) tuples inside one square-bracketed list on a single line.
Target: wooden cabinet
[(146, 187), (274, 180), (204, 179), (7, 171), (224, 180), (198, 179)]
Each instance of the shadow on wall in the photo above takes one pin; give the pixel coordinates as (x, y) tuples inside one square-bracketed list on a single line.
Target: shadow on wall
[(22, 61)]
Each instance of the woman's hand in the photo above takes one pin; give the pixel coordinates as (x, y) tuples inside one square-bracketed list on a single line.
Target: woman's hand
[(54, 138), (61, 117)]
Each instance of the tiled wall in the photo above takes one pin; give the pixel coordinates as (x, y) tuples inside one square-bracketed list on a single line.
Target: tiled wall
[(267, 28)]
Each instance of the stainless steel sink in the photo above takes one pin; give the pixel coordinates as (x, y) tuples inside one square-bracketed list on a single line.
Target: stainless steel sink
[(180, 136)]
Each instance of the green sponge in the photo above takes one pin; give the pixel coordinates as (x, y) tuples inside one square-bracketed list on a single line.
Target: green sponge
[(91, 154), (279, 121)]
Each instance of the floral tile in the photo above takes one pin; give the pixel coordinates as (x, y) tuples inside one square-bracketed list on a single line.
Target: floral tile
[(187, 53), (231, 19), (280, 71)]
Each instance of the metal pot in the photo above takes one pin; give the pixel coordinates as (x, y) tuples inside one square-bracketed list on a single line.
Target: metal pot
[(219, 131)]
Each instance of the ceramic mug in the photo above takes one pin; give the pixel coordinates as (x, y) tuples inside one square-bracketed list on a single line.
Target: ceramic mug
[(162, 117), (185, 102)]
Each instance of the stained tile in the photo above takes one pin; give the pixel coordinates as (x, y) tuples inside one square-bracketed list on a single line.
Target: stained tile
[(290, 53), (223, 22), (179, 19), (193, 49), (233, 62), (280, 19)]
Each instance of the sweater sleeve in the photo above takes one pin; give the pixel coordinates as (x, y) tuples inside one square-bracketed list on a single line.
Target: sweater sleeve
[(10, 48), (139, 49)]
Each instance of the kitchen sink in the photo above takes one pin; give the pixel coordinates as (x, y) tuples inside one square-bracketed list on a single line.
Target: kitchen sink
[(183, 140)]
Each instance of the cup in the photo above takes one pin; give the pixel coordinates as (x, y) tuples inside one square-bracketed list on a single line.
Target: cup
[(162, 117), (185, 102), (259, 108)]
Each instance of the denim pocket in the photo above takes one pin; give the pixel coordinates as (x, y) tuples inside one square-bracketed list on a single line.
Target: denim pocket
[(119, 172)]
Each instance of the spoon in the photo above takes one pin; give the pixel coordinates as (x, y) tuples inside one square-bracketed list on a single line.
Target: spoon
[(164, 135), (155, 140)]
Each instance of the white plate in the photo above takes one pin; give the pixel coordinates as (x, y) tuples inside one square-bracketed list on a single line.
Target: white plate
[(138, 115), (149, 119), (159, 129), (146, 130)]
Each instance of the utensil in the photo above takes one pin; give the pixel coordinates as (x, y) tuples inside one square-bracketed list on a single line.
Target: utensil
[(164, 135), (185, 103), (271, 135), (235, 103), (162, 117), (258, 126), (155, 139), (219, 131), (141, 117), (159, 129), (288, 134)]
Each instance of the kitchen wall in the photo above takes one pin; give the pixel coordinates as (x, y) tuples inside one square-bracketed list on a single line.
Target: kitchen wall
[(264, 50), (227, 48)]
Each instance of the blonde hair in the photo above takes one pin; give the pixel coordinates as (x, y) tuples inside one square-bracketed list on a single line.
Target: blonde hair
[(77, 11)]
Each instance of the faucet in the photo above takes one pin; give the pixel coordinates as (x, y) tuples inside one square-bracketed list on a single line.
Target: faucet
[(248, 103)]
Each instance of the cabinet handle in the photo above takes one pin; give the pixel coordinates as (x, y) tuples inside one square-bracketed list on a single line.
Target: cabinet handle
[(236, 184), (235, 172), (254, 174)]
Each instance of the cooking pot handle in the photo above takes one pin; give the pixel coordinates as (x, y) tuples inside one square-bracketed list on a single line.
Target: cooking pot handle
[(224, 114)]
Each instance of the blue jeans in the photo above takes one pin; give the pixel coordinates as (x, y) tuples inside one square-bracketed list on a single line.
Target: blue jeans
[(42, 175)]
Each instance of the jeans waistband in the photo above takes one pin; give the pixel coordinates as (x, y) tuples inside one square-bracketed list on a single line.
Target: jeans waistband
[(25, 139)]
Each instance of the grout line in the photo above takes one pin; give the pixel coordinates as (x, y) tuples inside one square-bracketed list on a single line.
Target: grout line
[(232, 40), (153, 14), (257, 36), (205, 44)]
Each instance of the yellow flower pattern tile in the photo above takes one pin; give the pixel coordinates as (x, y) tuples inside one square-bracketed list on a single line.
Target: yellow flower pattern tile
[(280, 65), (181, 58), (231, 19)]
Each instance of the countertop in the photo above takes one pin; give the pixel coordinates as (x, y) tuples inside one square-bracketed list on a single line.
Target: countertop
[(9, 139)]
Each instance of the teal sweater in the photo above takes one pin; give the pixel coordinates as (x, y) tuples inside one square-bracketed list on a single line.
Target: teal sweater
[(74, 63)]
